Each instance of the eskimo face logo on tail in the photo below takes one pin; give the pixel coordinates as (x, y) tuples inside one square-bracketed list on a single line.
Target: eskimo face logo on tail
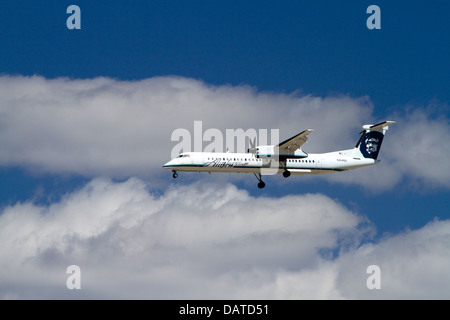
[(371, 144)]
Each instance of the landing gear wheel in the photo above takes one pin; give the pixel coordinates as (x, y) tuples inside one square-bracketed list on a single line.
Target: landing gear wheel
[(261, 183), (286, 174), (175, 174)]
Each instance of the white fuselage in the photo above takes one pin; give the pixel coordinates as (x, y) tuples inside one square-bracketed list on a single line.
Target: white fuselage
[(321, 163), (286, 157)]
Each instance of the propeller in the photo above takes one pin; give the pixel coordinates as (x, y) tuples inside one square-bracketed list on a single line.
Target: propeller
[(252, 148)]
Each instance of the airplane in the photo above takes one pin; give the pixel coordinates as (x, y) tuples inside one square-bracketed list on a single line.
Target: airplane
[(286, 157)]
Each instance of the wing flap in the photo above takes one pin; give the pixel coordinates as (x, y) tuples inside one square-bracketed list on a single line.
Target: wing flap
[(294, 142)]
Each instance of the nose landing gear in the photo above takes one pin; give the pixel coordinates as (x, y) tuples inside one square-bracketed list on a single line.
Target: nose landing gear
[(175, 174)]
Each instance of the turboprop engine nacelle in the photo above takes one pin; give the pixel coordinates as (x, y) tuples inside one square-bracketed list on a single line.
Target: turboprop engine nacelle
[(265, 152), (273, 151)]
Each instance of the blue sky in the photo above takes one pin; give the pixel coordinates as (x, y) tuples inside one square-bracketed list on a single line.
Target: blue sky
[(319, 48), (227, 51)]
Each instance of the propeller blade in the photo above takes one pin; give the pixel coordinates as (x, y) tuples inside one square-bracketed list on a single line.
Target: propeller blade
[(253, 143), (252, 148)]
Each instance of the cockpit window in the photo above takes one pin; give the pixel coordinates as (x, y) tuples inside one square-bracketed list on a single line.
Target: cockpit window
[(183, 156)]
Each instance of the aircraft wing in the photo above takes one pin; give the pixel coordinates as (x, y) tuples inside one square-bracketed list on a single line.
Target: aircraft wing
[(294, 142)]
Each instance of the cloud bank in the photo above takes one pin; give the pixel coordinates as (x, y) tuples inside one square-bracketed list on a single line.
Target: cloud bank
[(211, 242), (104, 126), (207, 239), (119, 129)]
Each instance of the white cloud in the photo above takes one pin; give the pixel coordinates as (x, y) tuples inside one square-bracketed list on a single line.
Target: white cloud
[(195, 241), (420, 148), (120, 129), (413, 264), (211, 241)]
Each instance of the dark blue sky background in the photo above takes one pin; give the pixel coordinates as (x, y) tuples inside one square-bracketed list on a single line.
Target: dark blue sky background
[(316, 47)]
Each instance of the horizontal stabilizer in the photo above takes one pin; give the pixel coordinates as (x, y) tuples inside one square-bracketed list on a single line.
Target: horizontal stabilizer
[(383, 126)]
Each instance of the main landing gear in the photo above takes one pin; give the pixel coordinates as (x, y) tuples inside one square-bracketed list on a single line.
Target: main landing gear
[(286, 173), (261, 183), (175, 174)]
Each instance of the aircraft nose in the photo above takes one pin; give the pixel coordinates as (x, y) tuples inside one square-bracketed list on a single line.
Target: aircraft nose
[(167, 164)]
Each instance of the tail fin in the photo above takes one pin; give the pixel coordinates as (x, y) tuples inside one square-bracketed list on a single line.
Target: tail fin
[(371, 138)]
